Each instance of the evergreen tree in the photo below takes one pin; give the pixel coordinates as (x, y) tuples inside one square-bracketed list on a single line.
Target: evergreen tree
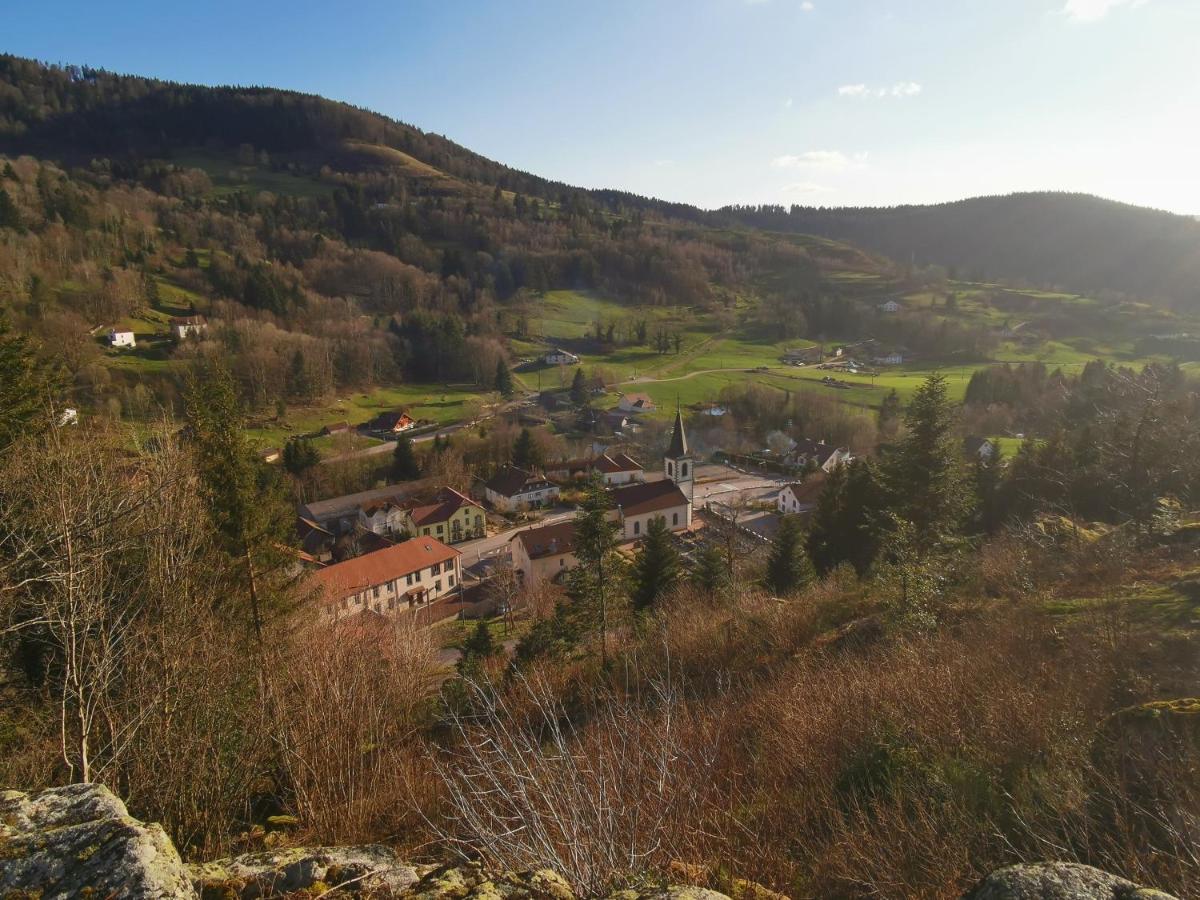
[(847, 523), (504, 380), (925, 476), (298, 380), (244, 499), (190, 259), (299, 455), (10, 217), (656, 568), (527, 454), (787, 566), (9, 172), (29, 388), (888, 417), (710, 573), (579, 394), (404, 461), (476, 648), (593, 585)]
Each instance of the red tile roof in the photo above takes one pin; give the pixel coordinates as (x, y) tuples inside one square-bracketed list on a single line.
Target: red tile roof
[(620, 462), (366, 571)]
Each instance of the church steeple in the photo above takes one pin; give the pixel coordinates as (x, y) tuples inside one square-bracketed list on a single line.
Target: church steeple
[(677, 462)]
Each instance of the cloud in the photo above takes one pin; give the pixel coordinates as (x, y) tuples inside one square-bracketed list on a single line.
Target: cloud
[(664, 163), (829, 160), (1094, 10), (787, 104), (807, 6), (899, 89), (807, 188)]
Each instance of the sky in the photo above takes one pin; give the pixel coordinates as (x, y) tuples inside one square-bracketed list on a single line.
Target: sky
[(712, 102)]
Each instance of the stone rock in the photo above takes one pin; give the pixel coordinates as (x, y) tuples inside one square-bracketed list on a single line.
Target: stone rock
[(1059, 881), (79, 841), (365, 869)]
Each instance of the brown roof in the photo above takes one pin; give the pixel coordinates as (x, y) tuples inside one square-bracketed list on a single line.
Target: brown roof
[(354, 575), (651, 496), (548, 540), (188, 320), (510, 481), (449, 501), (807, 491), (619, 462)]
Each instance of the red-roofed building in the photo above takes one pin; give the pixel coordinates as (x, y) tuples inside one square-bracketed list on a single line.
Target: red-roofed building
[(389, 581)]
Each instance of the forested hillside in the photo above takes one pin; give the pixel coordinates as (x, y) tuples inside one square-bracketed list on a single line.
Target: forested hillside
[(1076, 241)]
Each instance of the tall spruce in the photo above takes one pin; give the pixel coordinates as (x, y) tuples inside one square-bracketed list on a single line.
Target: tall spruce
[(244, 498), (404, 461), (300, 455), (710, 572), (925, 475), (656, 569), (504, 379), (787, 566), (579, 394), (594, 585), (29, 389), (527, 454), (847, 523)]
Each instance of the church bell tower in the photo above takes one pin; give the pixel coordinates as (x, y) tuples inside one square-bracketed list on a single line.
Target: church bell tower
[(678, 463)]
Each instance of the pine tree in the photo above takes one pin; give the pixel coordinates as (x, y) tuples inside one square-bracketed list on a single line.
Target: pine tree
[(527, 454), (925, 476), (787, 566), (504, 380), (593, 585), (9, 172), (476, 648), (404, 461), (244, 499), (579, 394), (888, 417), (28, 387), (710, 573), (9, 216), (848, 522), (656, 568), (299, 455)]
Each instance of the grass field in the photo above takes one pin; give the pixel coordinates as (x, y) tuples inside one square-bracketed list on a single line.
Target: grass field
[(229, 177)]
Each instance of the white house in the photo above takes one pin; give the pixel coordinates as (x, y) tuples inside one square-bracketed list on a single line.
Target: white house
[(389, 581), (797, 498), (512, 489), (891, 306), (891, 358), (636, 403), (618, 468), (117, 338), (560, 357), (545, 552), (186, 326), (979, 448)]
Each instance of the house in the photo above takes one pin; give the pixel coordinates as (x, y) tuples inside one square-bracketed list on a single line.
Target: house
[(714, 411), (560, 357), (616, 421), (341, 514), (389, 581), (890, 306), (512, 489), (188, 326), (798, 356), (270, 455), (336, 428), (890, 358), (395, 422), (117, 338), (618, 468), (596, 386), (451, 517), (635, 505), (387, 515), (800, 497), (545, 552), (978, 448), (316, 541), (819, 454), (69, 416), (636, 403)]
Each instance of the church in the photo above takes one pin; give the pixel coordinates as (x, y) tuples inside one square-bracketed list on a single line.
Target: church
[(669, 499)]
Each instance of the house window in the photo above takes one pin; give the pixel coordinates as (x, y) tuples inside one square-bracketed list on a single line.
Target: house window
[(391, 586), (674, 518), (441, 529), (344, 603), (437, 586), (408, 579), (425, 532), (358, 599), (670, 469), (391, 603), (683, 470), (450, 581), (435, 568), (637, 527)]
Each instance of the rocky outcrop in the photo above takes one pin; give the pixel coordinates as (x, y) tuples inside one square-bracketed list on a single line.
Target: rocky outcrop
[(1059, 881), (79, 841)]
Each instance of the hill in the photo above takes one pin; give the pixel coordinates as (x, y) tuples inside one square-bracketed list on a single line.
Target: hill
[(1075, 241)]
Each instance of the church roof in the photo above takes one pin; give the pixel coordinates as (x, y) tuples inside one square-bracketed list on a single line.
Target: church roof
[(679, 444)]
